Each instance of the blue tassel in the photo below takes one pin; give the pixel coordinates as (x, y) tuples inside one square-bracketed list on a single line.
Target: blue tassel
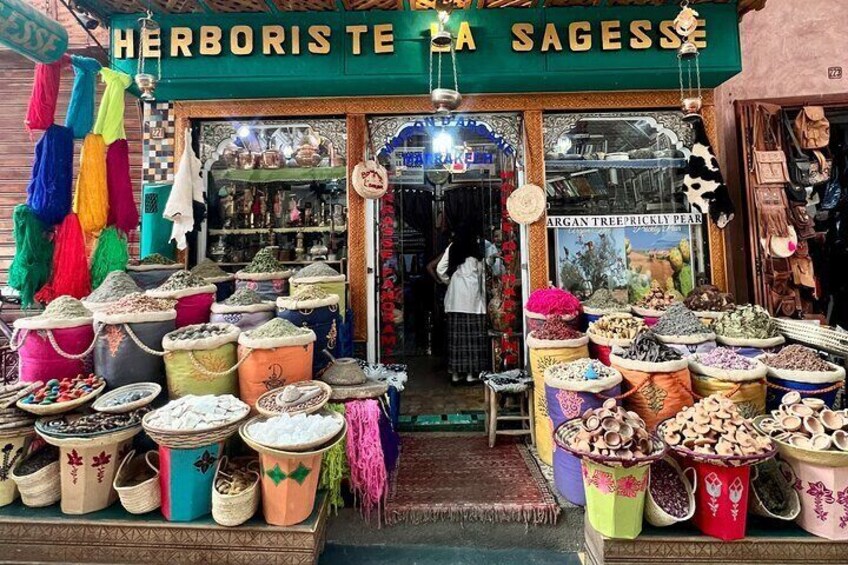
[(80, 116), (49, 189)]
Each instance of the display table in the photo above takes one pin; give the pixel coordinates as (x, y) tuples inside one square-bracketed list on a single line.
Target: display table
[(767, 542), (46, 535)]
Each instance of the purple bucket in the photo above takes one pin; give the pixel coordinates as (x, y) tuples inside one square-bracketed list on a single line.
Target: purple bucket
[(564, 405)]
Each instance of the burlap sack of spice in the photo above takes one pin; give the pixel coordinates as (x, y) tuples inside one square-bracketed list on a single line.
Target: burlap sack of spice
[(663, 389)]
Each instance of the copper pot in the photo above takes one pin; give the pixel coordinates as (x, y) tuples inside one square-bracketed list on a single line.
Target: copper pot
[(271, 159)]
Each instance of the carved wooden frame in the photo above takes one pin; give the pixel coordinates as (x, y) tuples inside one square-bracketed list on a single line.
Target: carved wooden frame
[(355, 110)]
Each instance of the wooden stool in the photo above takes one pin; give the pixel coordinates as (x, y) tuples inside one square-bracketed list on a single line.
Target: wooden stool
[(525, 404)]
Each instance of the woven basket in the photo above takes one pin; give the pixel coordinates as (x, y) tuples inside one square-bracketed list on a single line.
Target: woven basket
[(297, 448), (41, 488), (314, 407), (60, 407), (828, 458), (756, 506), (654, 513), (235, 509), (193, 439), (814, 335), (101, 404), (145, 496)]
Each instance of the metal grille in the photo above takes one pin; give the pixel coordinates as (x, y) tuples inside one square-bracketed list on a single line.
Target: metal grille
[(151, 203)]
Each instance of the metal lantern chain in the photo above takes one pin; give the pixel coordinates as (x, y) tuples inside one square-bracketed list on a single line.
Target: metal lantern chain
[(145, 81), (691, 99), (444, 100), (439, 69)]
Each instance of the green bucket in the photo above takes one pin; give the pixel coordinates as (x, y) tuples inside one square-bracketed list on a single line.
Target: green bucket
[(615, 498)]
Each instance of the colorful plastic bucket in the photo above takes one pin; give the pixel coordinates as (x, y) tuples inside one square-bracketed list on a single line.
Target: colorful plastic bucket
[(823, 492), (615, 498), (38, 360), (186, 477), (14, 448), (564, 405), (721, 499), (194, 309)]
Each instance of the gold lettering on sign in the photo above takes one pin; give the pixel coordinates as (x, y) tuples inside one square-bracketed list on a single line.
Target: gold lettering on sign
[(580, 36), (611, 35), (295, 40), (522, 34), (272, 40), (464, 38), (123, 43), (550, 39), (151, 43), (181, 38), (210, 40), (668, 37), (699, 36), (640, 38), (384, 39), (356, 32), (320, 44), (241, 40)]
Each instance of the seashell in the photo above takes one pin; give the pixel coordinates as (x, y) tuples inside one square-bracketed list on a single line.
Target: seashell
[(790, 398), (610, 424), (831, 420), (820, 442), (814, 403), (801, 410), (790, 423), (591, 423), (612, 439), (840, 440), (813, 425), (609, 404)]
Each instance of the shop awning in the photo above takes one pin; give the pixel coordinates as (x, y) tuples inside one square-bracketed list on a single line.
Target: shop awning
[(106, 8)]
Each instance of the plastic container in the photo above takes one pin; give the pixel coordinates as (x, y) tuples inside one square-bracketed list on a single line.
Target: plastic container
[(321, 315), (721, 499), (52, 349), (185, 478)]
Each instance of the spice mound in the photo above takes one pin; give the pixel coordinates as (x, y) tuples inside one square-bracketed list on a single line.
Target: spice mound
[(209, 269), (40, 459), (748, 322), (55, 391), (714, 426), (581, 370), (235, 478), (310, 292), (770, 487), (611, 431), (65, 308), (265, 261), (553, 302), (807, 424), (98, 422), (277, 327), (668, 490), (725, 359), (243, 297), (315, 270), (798, 358), (285, 431), (657, 299), (117, 284), (679, 320), (605, 299), (200, 331), (181, 280), (556, 328), (137, 303), (708, 298), (156, 259), (646, 347), (196, 413), (617, 326)]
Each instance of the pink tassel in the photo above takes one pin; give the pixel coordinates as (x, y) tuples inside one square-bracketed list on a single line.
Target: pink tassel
[(365, 455), (45, 93), (123, 212)]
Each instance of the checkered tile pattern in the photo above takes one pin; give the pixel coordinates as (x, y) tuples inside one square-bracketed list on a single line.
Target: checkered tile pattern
[(158, 143)]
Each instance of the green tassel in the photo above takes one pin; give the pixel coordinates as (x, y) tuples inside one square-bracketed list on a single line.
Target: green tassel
[(110, 255), (334, 468), (30, 268)]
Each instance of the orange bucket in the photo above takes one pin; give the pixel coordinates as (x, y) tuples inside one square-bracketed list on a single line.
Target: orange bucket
[(272, 363)]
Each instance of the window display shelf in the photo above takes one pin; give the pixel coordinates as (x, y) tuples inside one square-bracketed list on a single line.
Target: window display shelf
[(254, 231), (577, 164), (287, 174)]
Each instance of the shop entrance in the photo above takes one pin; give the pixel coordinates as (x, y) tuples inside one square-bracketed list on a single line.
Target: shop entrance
[(447, 319)]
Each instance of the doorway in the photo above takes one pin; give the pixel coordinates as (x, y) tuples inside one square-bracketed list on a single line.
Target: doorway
[(449, 177)]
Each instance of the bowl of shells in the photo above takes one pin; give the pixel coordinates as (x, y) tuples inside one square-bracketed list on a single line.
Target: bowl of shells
[(807, 430), (304, 397)]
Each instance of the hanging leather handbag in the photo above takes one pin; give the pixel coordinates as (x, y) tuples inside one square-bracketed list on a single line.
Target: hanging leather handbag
[(803, 222), (832, 193), (812, 128), (802, 267), (803, 170), (771, 207), (769, 159)]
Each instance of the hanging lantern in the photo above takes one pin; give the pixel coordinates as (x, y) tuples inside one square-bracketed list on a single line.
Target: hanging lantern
[(148, 32), (444, 100), (689, 68)]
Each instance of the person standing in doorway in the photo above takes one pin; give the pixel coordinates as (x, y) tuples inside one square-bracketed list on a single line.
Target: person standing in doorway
[(463, 270)]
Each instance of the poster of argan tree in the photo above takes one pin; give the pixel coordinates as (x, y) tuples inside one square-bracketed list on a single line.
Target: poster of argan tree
[(589, 259), (662, 254)]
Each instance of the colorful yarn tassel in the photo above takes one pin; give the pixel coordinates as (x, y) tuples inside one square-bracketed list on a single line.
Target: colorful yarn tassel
[(111, 254), (110, 114), (123, 212), (30, 268), (49, 189), (80, 116), (368, 477), (334, 468), (70, 265), (91, 200), (41, 111)]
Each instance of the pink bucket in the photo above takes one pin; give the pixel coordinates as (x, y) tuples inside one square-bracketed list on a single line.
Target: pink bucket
[(38, 360), (194, 309), (824, 499)]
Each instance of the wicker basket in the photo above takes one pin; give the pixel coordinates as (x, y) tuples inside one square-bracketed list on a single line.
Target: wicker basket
[(654, 513), (153, 390), (193, 439), (311, 408), (41, 488), (815, 335), (756, 505), (297, 448), (60, 407), (145, 496), (236, 509)]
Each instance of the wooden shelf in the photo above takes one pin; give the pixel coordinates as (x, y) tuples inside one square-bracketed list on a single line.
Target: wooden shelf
[(259, 231), (577, 164), (286, 174)]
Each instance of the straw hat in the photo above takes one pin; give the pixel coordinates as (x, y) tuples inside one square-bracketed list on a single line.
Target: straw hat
[(370, 179), (348, 381), (526, 204), (784, 247)]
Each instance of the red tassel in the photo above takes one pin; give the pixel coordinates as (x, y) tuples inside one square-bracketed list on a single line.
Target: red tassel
[(45, 93), (123, 212), (70, 274)]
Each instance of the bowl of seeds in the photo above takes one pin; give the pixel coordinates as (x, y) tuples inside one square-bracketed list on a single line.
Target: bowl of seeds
[(671, 494), (772, 491)]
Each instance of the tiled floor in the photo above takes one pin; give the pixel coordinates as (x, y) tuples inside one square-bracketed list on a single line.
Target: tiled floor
[(429, 390)]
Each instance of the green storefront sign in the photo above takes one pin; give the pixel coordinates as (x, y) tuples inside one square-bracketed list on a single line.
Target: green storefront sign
[(310, 54)]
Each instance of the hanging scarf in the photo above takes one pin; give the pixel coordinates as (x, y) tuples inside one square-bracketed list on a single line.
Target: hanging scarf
[(91, 200), (49, 189), (368, 477), (45, 93), (30, 268), (123, 212), (187, 189), (70, 265), (110, 115), (80, 116), (111, 254)]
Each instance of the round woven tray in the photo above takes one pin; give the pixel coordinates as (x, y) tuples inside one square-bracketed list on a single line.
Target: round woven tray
[(60, 407), (195, 438), (101, 404), (262, 448), (827, 458), (322, 400), (563, 434), (718, 460), (297, 448)]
